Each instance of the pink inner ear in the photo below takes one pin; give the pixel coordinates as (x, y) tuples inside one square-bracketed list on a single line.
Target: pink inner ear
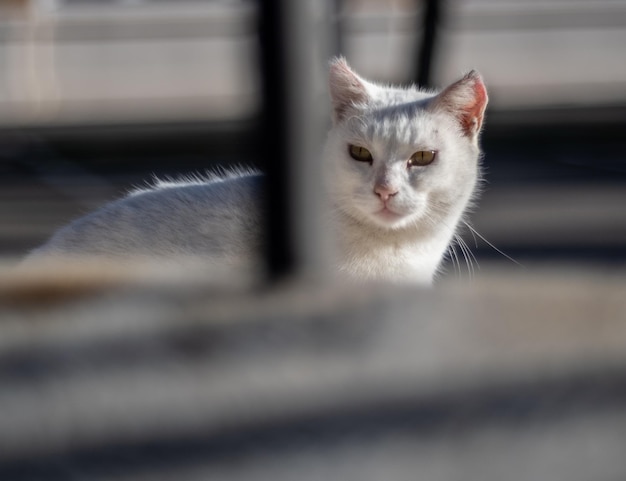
[(346, 89), (472, 113), (466, 99)]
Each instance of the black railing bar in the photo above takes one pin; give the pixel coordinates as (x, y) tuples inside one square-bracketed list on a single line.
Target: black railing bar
[(294, 52), (428, 42)]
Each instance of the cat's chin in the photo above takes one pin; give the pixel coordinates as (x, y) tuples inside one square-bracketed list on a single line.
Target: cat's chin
[(389, 219)]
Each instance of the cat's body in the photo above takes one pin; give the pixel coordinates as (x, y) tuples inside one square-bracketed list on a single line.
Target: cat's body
[(217, 219), (401, 166)]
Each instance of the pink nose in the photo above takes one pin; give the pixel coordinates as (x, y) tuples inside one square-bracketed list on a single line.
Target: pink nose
[(384, 192)]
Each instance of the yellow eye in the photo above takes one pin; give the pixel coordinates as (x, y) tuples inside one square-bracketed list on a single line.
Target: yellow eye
[(360, 153), (422, 157)]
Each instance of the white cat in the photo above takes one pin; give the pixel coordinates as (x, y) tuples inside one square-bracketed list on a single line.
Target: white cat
[(401, 167)]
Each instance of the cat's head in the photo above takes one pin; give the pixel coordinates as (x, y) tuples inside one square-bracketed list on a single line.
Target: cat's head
[(400, 157)]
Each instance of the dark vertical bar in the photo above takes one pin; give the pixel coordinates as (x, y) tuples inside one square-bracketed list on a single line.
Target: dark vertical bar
[(279, 245), (338, 45), (294, 55), (431, 21)]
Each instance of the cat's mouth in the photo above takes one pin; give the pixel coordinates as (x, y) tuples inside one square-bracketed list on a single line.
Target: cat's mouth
[(388, 215)]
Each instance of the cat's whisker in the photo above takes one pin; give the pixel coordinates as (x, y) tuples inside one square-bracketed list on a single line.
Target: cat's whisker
[(469, 251), (467, 263), (473, 234), (435, 221), (467, 255), (480, 236), (455, 260)]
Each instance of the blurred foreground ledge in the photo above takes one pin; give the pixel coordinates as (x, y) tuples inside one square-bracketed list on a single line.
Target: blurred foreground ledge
[(517, 375)]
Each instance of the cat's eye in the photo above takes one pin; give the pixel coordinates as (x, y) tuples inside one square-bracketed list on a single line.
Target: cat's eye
[(360, 153), (422, 157)]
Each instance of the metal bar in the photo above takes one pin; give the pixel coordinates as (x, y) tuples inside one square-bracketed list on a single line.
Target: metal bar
[(338, 26), (294, 40), (430, 25), (279, 252)]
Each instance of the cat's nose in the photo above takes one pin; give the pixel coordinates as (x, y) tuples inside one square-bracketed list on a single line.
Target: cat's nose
[(384, 192)]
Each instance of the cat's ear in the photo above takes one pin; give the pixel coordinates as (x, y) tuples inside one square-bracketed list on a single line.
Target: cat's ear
[(346, 88), (466, 99)]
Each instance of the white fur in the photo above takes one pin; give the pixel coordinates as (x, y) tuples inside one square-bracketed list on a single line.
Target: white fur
[(218, 218)]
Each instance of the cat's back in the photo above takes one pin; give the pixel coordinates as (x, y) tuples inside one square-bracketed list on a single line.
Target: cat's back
[(213, 217)]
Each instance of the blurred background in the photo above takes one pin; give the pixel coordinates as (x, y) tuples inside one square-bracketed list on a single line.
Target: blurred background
[(98, 96), (510, 377)]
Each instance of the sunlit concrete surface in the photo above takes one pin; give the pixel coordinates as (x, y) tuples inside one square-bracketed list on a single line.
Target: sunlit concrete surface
[(517, 375), (95, 62)]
